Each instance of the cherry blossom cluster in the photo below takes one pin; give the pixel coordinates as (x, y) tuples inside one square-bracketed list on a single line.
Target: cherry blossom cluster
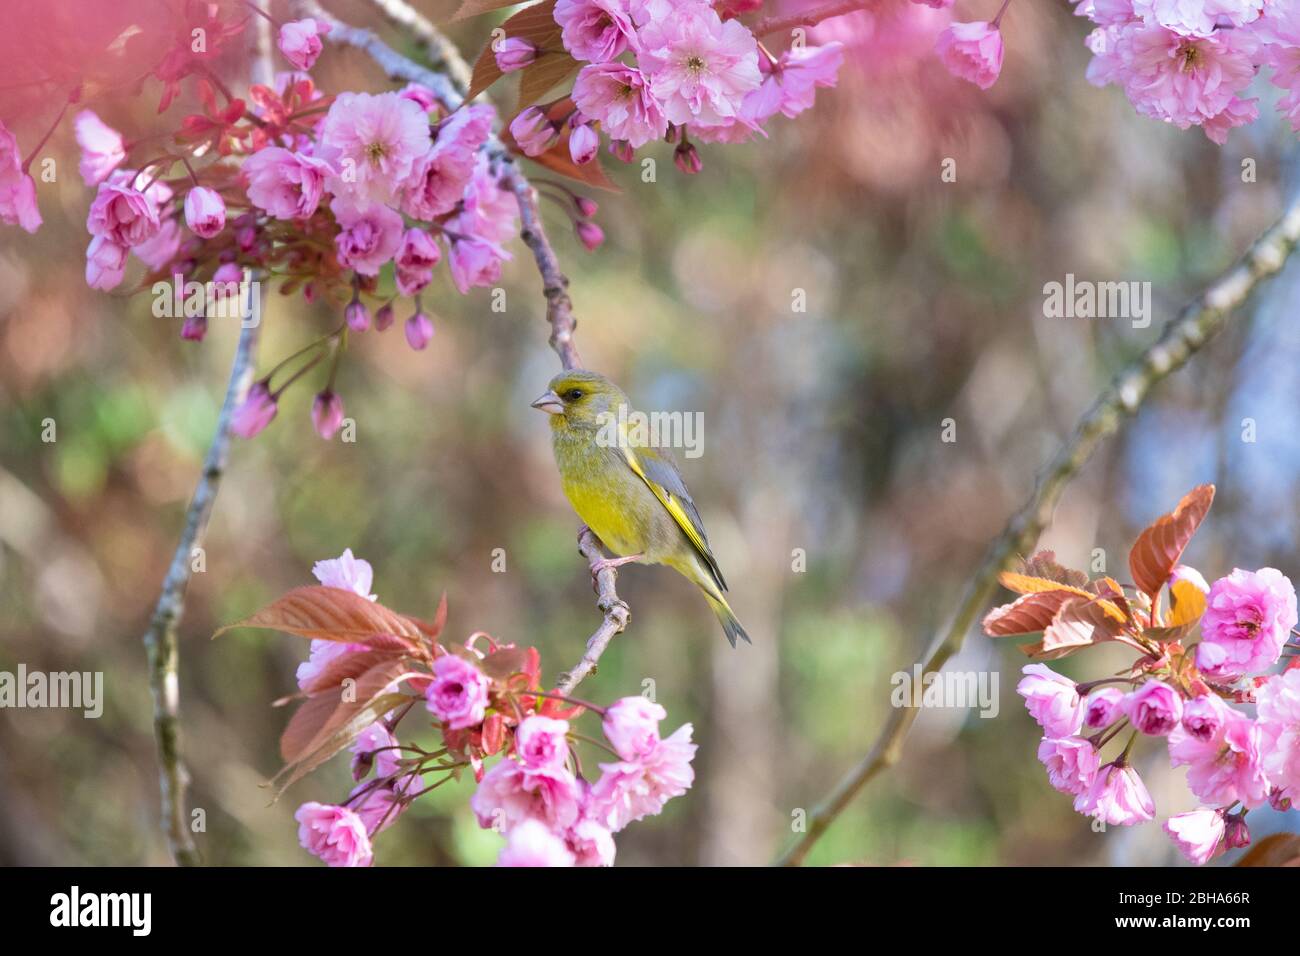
[(1235, 726), (654, 69), (536, 795)]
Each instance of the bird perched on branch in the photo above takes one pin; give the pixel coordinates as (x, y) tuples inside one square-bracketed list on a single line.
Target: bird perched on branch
[(630, 494)]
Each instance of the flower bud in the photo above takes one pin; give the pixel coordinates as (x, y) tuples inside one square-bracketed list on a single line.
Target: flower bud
[(1237, 834), (255, 412), (584, 142), (534, 132), (327, 413), (384, 317), (589, 234), (195, 327), (687, 158), (514, 53), (357, 316), (586, 207), (621, 150), (419, 329), (205, 212)]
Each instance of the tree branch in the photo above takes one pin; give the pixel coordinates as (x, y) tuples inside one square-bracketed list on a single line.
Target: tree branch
[(440, 51), (808, 18), (1181, 338), (559, 307), (160, 639)]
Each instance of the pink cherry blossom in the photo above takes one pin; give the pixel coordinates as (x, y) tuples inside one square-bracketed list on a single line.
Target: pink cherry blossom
[(287, 185), (1155, 708), (105, 263), (534, 132), (1071, 763), (321, 654), (327, 413), (591, 843), (584, 143), (415, 261), (122, 213), (1103, 707), (474, 261), (700, 67), (102, 147), (1052, 700), (347, 572), (162, 248), (631, 726), (1225, 768), (17, 189), (631, 789), (255, 412), (1117, 796), (595, 30), (375, 747), (299, 41), (972, 52), (540, 742), (790, 85), (1197, 17), (377, 807), (373, 141), (441, 174), (511, 793), (418, 330), (334, 834), (205, 212), (1198, 834), (619, 97), (369, 236), (532, 843), (458, 693), (514, 53), (1205, 717), (1248, 617), (1279, 718), (488, 211)]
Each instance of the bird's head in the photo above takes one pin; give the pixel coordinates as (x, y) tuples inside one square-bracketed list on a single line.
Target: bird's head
[(580, 398)]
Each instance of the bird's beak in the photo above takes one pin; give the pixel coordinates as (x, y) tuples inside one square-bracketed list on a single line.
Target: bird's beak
[(550, 403)]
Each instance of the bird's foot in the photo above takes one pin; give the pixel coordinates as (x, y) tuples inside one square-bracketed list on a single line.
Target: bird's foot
[(605, 564)]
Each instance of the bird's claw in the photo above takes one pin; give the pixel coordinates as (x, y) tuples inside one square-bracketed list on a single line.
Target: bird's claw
[(605, 564)]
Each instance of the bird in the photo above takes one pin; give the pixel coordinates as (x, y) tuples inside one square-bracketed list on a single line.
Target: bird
[(631, 495)]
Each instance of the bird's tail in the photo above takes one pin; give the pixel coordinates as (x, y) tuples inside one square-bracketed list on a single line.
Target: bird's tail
[(731, 626)]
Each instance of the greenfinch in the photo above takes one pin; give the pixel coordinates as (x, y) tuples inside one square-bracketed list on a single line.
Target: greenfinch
[(629, 494)]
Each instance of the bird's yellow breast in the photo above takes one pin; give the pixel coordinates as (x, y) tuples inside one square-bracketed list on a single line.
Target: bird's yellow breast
[(605, 510)]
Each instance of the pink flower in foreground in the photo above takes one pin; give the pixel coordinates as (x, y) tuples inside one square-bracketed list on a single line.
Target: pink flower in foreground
[(1197, 834), (620, 99), (511, 793), (541, 742), (373, 141), (1248, 617), (631, 726), (162, 248), (327, 413), (458, 693), (1104, 706), (122, 214), (1117, 796), (105, 263), (17, 189), (287, 185), (102, 147), (1155, 708), (972, 52), (378, 807), (334, 834), (415, 261), (255, 412), (205, 212), (440, 176), (1052, 700), (632, 789), (595, 30), (1225, 768), (700, 68), (790, 85), (474, 261), (375, 747), (532, 843), (1205, 717), (370, 236), (347, 572), (1071, 763), (1200, 17), (321, 655), (1279, 718), (299, 41)]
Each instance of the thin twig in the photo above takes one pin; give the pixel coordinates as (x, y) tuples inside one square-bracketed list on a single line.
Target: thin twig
[(559, 307), (808, 18), (441, 53), (1181, 338), (160, 639)]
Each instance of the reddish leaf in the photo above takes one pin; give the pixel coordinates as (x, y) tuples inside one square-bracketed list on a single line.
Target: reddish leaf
[(347, 731), (558, 160), (1276, 849), (333, 614), (544, 74), (1079, 624), (1158, 548), (503, 663), (1026, 614), (348, 666), (323, 714), (537, 25), (1043, 564)]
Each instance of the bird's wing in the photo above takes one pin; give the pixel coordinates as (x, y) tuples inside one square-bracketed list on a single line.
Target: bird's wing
[(660, 474)]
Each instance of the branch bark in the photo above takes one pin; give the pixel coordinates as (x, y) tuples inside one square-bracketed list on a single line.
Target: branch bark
[(440, 51), (808, 18), (555, 284), (1181, 338), (160, 639)]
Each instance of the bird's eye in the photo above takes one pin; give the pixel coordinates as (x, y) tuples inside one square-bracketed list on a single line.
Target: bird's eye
[(573, 394)]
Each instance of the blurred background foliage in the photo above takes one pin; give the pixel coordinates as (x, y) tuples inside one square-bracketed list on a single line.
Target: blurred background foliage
[(822, 433)]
